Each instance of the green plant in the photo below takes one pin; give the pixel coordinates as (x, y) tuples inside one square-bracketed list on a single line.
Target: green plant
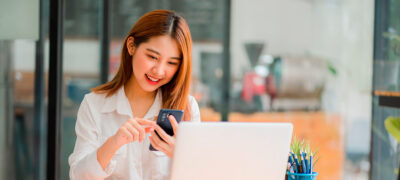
[(299, 146)]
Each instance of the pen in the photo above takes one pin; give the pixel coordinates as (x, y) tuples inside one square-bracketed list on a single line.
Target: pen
[(307, 165), (297, 163), (304, 169), (311, 171), (292, 161), (291, 168), (306, 161)]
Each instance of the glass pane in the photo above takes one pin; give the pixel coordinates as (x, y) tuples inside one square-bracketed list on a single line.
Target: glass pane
[(4, 105), (307, 63), (385, 152), (81, 68), (23, 136), (22, 109)]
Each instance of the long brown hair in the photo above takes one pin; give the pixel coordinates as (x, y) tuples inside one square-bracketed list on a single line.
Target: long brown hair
[(157, 23)]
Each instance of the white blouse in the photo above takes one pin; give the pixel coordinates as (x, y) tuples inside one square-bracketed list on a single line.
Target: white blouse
[(98, 119)]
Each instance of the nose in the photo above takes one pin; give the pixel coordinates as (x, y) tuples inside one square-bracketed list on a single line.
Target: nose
[(158, 70)]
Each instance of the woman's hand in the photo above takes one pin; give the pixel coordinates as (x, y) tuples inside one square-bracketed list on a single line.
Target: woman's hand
[(133, 130), (167, 145)]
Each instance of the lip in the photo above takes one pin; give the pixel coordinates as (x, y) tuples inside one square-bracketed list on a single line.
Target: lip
[(150, 81)]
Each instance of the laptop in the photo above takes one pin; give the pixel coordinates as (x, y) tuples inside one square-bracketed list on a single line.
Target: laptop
[(232, 151)]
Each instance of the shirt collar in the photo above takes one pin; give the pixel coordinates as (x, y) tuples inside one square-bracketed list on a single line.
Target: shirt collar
[(119, 102)]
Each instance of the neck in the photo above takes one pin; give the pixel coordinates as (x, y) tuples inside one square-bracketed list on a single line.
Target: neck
[(133, 91)]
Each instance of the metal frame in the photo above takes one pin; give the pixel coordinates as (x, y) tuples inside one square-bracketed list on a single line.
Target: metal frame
[(226, 77), (39, 124), (104, 29), (55, 82), (381, 22)]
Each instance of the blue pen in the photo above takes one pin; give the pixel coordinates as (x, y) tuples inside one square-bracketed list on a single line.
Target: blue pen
[(306, 161), (311, 171), (303, 163), (293, 163), (307, 165), (290, 167), (297, 163)]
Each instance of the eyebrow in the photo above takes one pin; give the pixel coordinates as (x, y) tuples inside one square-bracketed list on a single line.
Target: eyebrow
[(156, 52)]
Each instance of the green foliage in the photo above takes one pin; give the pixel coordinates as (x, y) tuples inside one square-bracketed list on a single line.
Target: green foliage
[(392, 125), (332, 69), (298, 146)]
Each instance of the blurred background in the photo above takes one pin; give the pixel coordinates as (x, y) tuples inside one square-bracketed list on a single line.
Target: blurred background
[(315, 63)]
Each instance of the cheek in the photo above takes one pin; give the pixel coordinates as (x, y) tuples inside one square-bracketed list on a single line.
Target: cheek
[(140, 64), (170, 73)]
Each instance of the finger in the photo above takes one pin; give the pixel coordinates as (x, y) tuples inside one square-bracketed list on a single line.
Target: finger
[(148, 129), (163, 134), (145, 122), (155, 145), (162, 146), (133, 131), (127, 134), (174, 123), (139, 129)]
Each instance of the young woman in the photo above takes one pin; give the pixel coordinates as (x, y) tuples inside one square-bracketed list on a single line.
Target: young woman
[(116, 122)]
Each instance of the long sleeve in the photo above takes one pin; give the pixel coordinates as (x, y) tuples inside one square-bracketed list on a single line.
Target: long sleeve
[(83, 161)]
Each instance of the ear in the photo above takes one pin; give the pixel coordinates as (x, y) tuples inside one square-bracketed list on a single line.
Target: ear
[(130, 45)]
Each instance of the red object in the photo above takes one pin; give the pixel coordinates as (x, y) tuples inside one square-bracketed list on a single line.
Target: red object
[(253, 84)]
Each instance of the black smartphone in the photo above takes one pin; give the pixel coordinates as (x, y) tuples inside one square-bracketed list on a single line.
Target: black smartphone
[(164, 123)]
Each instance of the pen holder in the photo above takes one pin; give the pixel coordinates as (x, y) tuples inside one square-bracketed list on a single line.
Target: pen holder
[(302, 176)]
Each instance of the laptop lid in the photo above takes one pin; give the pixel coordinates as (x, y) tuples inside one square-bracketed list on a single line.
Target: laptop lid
[(233, 151)]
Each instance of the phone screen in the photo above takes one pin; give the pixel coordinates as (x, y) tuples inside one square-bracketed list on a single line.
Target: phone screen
[(164, 123)]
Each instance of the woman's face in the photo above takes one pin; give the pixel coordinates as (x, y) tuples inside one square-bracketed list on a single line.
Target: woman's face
[(154, 62)]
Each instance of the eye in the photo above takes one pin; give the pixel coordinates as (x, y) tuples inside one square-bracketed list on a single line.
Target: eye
[(152, 57), (173, 63)]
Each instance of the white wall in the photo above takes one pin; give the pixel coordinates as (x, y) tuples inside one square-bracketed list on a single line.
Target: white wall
[(340, 31), (19, 19), (79, 56)]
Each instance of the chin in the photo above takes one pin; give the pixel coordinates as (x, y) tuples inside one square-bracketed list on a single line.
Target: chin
[(149, 88)]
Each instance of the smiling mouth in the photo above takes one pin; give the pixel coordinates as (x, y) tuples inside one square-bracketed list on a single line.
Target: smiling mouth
[(152, 79)]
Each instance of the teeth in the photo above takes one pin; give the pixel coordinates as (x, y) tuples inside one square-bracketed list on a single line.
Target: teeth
[(152, 79)]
